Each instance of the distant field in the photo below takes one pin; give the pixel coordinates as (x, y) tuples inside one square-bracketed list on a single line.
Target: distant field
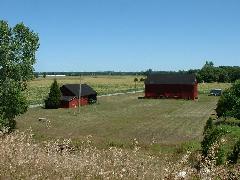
[(204, 88), (117, 120), (38, 88)]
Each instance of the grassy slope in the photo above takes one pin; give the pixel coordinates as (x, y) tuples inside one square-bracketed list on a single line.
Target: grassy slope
[(119, 119)]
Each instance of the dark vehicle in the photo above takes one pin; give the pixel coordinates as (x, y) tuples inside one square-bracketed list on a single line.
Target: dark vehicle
[(215, 92)]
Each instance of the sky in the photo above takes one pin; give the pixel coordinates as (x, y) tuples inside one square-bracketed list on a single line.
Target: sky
[(129, 35)]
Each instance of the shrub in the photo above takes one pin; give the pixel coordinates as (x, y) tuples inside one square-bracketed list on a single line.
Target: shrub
[(230, 122), (234, 156), (229, 102), (53, 100), (220, 156), (212, 137), (208, 126)]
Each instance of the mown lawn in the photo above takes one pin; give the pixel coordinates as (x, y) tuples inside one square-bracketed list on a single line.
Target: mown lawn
[(117, 120)]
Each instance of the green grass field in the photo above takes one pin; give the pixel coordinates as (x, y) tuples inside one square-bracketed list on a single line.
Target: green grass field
[(117, 120)]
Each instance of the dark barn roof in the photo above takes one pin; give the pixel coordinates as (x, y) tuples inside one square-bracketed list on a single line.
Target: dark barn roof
[(74, 89), (156, 78)]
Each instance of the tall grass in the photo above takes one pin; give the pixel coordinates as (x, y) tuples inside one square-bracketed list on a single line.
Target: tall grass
[(22, 158)]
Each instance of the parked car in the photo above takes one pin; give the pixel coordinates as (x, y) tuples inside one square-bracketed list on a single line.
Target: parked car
[(215, 92)]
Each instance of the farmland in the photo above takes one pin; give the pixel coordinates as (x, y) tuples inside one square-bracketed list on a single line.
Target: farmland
[(117, 120), (39, 88), (160, 129)]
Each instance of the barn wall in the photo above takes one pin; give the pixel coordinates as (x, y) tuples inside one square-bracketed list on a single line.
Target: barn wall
[(74, 103), (171, 91)]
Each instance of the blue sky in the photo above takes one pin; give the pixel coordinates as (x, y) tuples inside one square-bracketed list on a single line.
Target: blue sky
[(129, 35)]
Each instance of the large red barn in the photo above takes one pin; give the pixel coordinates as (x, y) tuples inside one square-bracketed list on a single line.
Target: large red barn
[(182, 86), (70, 95)]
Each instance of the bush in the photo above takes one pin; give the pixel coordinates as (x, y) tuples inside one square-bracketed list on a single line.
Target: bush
[(220, 156), (234, 156), (230, 122), (208, 126), (221, 141), (212, 137), (53, 100), (229, 102)]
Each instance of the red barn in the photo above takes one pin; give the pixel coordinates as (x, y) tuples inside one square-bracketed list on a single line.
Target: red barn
[(70, 95), (182, 86)]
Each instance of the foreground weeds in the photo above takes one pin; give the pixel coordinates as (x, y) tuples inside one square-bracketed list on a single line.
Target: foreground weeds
[(22, 158), (196, 166)]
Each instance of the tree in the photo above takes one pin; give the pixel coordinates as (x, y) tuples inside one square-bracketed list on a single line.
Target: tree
[(36, 75), (229, 102), (209, 64), (135, 81), (44, 75), (18, 46), (142, 79), (208, 73), (53, 100), (148, 72)]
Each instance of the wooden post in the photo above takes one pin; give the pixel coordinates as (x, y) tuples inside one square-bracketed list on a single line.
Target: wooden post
[(79, 95)]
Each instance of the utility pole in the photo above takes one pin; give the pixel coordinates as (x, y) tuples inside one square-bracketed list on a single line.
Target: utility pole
[(80, 92)]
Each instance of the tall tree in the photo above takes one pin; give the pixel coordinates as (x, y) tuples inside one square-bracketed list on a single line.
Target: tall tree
[(18, 46), (208, 73)]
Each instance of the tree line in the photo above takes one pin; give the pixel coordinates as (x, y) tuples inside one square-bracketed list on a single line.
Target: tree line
[(208, 73)]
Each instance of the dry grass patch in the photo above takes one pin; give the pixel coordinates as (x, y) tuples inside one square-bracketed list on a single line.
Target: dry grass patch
[(22, 158)]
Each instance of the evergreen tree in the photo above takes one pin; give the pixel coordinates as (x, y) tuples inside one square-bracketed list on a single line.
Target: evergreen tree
[(53, 100)]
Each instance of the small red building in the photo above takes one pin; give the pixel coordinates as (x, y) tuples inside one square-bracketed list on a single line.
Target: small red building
[(70, 95), (181, 86)]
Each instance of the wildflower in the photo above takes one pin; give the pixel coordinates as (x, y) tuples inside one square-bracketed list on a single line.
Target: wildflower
[(182, 174)]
